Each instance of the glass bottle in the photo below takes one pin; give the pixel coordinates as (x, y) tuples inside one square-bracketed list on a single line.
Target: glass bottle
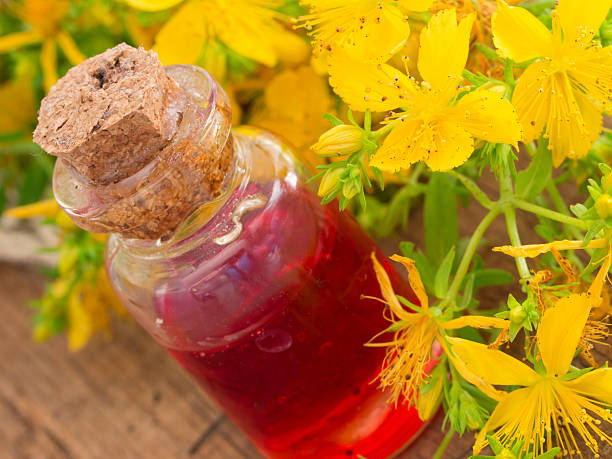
[(258, 293)]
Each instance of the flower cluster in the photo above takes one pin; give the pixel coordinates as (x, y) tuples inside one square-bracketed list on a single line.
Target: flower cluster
[(480, 79)]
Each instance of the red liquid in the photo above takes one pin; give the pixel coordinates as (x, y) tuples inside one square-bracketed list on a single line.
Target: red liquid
[(280, 331)]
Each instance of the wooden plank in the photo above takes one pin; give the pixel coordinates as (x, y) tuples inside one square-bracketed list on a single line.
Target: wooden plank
[(122, 398)]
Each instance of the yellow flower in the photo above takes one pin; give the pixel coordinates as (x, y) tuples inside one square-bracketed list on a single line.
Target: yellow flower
[(252, 28), (47, 208), (369, 30), (17, 101), (88, 304), (564, 92), (293, 103), (409, 353), (44, 20), (438, 119), (549, 402)]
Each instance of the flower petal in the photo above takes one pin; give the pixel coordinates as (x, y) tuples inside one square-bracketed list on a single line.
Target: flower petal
[(533, 250), (518, 34), (444, 47), (492, 366), (48, 62), (414, 279), (152, 5), (574, 121), (386, 289), (532, 99), (580, 20), (187, 27), (364, 85), (509, 408), (416, 5), (476, 322), (488, 116), (47, 208), (453, 145), (409, 142), (560, 330), (249, 28), (600, 280), (70, 49), (380, 36), (590, 74), (16, 40), (596, 384)]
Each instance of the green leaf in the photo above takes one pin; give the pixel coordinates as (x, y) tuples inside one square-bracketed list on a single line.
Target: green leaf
[(407, 249), (2, 200), (578, 210), (440, 217), (443, 274), (33, 185), (549, 454), (468, 292), (594, 229), (425, 269), (492, 277), (473, 188), (531, 181), (333, 120), (471, 334)]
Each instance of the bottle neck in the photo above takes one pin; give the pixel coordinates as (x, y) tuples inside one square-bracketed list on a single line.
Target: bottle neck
[(202, 223), (174, 193)]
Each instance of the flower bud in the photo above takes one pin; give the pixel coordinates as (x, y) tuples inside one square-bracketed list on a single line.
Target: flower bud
[(429, 400), (517, 315), (329, 181), (338, 141), (603, 206), (349, 190)]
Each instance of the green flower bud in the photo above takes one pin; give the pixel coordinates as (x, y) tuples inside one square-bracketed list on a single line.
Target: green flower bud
[(428, 401), (517, 315), (338, 141), (329, 181), (607, 182), (350, 189), (603, 206)]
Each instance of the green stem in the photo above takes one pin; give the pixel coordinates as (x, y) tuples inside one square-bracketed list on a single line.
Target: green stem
[(559, 204), (470, 251), (445, 442), (531, 148), (382, 131), (548, 213), (506, 196), (515, 240)]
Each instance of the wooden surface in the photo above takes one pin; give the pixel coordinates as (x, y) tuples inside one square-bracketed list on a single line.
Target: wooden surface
[(117, 399)]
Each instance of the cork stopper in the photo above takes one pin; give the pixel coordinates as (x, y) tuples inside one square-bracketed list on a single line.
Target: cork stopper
[(139, 146), (110, 115)]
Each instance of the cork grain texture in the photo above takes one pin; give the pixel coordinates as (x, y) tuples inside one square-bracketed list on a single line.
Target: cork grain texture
[(110, 115)]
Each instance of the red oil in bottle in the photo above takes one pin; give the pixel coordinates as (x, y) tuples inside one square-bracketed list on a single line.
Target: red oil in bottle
[(285, 329)]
